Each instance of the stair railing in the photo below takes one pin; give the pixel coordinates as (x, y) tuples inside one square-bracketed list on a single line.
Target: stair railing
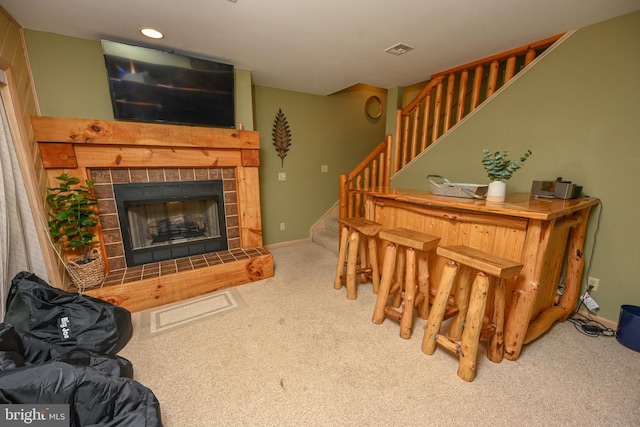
[(447, 98), (373, 171), (452, 94)]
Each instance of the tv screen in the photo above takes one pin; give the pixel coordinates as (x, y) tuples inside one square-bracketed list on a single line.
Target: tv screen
[(149, 85)]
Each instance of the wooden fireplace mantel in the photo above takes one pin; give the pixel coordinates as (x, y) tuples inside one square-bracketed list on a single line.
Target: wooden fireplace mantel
[(72, 143), (78, 145)]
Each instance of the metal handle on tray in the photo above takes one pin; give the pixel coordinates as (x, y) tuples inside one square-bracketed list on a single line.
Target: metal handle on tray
[(444, 180)]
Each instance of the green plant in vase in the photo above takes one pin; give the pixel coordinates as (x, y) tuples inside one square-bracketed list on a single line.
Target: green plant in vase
[(499, 170)]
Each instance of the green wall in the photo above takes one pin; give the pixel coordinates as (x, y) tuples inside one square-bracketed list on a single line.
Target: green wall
[(71, 81), (326, 130), (69, 75), (577, 109)]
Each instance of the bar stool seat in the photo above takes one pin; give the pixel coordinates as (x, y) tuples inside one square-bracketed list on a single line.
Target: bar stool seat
[(401, 266), (490, 268), (359, 260)]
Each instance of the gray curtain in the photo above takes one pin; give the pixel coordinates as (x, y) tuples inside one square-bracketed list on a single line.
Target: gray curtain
[(19, 245)]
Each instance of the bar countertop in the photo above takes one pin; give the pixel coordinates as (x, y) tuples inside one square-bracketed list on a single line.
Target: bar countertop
[(522, 205)]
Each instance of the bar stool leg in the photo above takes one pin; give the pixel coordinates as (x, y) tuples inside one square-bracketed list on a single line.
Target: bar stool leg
[(461, 297), (438, 308), (472, 327), (342, 257), (495, 349), (406, 320), (352, 259), (388, 268), (396, 289), (424, 292), (375, 269), (362, 251)]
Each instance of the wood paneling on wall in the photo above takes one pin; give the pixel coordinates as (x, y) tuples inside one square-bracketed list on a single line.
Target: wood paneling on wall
[(21, 103)]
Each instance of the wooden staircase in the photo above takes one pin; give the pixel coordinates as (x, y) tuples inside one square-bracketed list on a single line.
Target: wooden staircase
[(446, 100)]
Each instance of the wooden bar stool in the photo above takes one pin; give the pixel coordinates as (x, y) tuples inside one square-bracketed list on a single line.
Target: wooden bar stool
[(409, 242), (488, 267), (353, 252)]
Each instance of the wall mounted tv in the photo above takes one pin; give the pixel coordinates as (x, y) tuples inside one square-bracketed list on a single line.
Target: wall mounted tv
[(149, 85)]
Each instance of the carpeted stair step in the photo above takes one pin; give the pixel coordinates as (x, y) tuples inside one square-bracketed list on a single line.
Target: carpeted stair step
[(326, 237)]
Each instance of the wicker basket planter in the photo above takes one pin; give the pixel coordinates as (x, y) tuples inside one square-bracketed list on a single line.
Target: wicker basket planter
[(87, 275), (73, 218)]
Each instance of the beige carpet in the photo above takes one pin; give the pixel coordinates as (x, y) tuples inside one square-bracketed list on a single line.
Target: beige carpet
[(301, 354)]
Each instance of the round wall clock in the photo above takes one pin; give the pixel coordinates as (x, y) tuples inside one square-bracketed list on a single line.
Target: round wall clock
[(373, 107)]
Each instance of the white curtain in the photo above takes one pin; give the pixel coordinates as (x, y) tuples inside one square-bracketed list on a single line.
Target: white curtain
[(19, 245)]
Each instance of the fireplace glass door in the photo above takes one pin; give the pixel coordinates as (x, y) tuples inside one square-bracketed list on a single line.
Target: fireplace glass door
[(173, 222), (170, 220)]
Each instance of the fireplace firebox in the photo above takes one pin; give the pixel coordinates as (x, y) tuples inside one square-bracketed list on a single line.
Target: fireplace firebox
[(168, 220)]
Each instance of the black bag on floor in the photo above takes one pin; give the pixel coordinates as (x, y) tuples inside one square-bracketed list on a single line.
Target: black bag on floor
[(65, 318), (18, 349), (99, 389)]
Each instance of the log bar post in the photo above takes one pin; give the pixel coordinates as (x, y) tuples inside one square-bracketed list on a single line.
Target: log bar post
[(575, 265), (524, 298)]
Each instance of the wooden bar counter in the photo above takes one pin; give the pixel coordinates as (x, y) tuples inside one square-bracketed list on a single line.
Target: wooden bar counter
[(544, 234)]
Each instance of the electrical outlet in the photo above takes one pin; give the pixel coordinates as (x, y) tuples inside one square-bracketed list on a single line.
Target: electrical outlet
[(324, 168), (282, 176), (281, 226), (592, 281)]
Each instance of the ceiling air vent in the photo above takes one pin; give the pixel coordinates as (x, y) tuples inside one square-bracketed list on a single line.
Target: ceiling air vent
[(399, 49)]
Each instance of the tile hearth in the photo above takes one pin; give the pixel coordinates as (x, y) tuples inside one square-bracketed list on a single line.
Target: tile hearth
[(158, 269)]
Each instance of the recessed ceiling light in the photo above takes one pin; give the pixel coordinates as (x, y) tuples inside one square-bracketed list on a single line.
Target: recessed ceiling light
[(151, 33), (399, 49)]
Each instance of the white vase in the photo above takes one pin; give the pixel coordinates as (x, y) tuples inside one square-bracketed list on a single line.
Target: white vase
[(497, 191)]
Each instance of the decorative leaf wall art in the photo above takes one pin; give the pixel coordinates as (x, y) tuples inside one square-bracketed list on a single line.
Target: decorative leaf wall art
[(281, 135)]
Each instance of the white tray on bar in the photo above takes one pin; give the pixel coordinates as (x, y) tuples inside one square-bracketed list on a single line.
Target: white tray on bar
[(440, 186)]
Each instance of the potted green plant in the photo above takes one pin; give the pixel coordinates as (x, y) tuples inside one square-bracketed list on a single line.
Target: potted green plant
[(499, 170), (73, 219)]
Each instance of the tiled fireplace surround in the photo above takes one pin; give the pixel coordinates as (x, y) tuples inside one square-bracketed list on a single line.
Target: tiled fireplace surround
[(119, 273), (111, 152)]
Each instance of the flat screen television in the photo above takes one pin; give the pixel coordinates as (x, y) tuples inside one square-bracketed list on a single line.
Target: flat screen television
[(149, 85)]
